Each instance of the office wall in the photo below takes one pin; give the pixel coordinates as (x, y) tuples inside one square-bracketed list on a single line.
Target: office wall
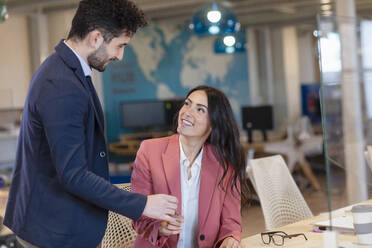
[(154, 61), (59, 24), (308, 72), (165, 60), (279, 85), (292, 72), (286, 75), (15, 71)]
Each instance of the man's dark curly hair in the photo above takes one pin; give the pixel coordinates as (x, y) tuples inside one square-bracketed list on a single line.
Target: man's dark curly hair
[(111, 17)]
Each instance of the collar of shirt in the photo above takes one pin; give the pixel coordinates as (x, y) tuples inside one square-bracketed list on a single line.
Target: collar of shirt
[(86, 69), (183, 158)]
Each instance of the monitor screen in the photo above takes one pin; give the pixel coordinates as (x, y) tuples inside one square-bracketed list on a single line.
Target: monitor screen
[(143, 114), (257, 117)]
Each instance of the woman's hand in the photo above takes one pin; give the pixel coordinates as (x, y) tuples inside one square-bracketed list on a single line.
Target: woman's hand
[(230, 242), (171, 228)]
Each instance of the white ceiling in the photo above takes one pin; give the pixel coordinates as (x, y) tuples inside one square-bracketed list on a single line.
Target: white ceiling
[(249, 12)]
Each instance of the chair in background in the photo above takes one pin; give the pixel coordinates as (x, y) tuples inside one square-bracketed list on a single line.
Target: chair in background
[(300, 142), (281, 201), (119, 232), (248, 168), (249, 175)]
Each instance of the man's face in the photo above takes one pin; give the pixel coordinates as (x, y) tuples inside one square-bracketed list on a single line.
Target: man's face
[(114, 50)]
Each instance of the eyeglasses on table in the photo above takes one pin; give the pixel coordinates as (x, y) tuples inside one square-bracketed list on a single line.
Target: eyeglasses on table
[(278, 237)]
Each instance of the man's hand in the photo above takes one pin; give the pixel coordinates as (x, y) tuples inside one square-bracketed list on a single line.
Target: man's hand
[(171, 228), (230, 242), (161, 207)]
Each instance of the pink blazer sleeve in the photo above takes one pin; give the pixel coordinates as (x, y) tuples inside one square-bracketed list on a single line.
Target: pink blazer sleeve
[(141, 182), (231, 221)]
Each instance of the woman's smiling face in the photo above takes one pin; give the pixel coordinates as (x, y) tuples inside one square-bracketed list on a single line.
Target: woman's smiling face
[(193, 118)]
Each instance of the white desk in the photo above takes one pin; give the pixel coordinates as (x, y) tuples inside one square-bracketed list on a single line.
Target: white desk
[(305, 227)]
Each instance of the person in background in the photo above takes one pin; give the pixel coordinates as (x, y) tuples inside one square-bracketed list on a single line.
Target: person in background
[(202, 165), (60, 194)]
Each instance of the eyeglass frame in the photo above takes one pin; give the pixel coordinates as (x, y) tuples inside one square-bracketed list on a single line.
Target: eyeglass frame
[(280, 234)]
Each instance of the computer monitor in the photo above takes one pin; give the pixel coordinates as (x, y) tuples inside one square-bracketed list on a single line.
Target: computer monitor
[(257, 118), (143, 115)]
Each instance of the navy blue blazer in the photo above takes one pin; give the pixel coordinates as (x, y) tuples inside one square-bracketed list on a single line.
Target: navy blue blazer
[(60, 194)]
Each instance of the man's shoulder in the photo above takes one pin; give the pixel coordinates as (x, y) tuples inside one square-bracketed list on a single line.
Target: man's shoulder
[(54, 78), (54, 65)]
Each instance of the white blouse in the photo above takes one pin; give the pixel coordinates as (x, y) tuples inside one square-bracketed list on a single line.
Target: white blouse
[(190, 200)]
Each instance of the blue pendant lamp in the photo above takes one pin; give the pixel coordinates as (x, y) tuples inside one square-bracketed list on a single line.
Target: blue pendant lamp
[(3, 11), (230, 43), (213, 18)]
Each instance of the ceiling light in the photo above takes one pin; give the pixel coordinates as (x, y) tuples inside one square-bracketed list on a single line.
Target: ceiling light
[(230, 49), (213, 29), (213, 18), (231, 43), (229, 40)]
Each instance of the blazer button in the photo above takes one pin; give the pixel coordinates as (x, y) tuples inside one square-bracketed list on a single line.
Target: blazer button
[(102, 154), (202, 237)]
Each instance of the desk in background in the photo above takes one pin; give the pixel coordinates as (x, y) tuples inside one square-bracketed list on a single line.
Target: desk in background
[(124, 151), (129, 143), (293, 150)]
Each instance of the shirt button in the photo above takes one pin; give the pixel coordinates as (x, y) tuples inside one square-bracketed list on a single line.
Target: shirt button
[(102, 154), (202, 237)]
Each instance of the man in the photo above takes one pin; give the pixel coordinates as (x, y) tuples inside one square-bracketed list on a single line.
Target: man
[(60, 194)]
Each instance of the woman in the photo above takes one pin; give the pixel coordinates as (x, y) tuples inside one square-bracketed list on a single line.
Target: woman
[(202, 165)]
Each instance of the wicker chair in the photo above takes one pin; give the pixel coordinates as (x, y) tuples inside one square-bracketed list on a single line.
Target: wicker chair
[(119, 232), (281, 201)]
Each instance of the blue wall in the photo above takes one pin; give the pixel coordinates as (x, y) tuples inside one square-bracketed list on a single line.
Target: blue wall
[(165, 61)]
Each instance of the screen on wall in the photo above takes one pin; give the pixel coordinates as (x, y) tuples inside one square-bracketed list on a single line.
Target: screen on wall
[(143, 115), (257, 118)]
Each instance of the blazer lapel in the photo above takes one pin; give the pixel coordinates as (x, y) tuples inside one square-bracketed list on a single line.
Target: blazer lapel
[(98, 112), (209, 178), (73, 62), (171, 165)]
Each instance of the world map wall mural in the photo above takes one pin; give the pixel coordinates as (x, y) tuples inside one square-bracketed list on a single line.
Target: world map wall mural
[(165, 60)]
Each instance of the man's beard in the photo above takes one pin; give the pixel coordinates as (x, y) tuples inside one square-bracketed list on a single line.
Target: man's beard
[(98, 59)]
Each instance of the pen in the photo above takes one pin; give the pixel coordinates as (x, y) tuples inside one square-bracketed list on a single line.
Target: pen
[(319, 229)]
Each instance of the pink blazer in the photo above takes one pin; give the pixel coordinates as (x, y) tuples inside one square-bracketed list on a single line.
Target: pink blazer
[(157, 171)]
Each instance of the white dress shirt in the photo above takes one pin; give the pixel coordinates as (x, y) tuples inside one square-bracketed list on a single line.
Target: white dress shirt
[(86, 69), (190, 200)]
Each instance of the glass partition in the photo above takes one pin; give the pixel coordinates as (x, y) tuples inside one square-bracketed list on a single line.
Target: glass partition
[(345, 61)]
